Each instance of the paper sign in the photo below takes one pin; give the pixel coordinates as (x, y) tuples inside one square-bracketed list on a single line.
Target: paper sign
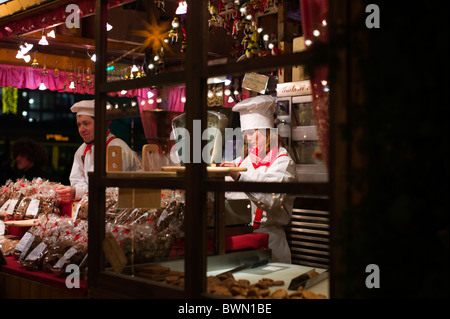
[(114, 253), (255, 82)]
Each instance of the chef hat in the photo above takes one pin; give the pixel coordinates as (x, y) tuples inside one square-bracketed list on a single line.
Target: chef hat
[(256, 112), (86, 107)]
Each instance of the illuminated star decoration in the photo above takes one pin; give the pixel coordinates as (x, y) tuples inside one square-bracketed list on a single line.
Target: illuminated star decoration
[(154, 35)]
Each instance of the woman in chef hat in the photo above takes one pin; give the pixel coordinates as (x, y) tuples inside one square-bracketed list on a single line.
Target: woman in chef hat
[(83, 162), (266, 161)]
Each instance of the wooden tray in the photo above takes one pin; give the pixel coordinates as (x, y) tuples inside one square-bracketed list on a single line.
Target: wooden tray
[(20, 223), (212, 171)]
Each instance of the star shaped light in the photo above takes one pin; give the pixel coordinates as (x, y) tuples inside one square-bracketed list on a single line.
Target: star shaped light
[(155, 33)]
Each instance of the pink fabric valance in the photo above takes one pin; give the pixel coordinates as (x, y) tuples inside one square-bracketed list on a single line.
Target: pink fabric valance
[(24, 77)]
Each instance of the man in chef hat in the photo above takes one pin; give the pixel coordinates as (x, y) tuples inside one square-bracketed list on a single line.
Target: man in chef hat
[(266, 161), (83, 162)]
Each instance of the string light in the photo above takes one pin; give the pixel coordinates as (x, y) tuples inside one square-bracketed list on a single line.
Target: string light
[(43, 40), (51, 34)]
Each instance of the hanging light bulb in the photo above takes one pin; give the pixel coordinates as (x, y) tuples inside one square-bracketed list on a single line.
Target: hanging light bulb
[(43, 40), (182, 7), (94, 57), (51, 34), (72, 85), (25, 48), (134, 68), (42, 86), (19, 54), (108, 27)]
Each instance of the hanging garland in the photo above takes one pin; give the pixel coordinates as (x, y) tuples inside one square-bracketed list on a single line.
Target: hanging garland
[(9, 100)]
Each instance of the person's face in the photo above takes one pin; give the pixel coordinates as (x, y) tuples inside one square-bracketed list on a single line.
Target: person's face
[(23, 163), (85, 125), (255, 138)]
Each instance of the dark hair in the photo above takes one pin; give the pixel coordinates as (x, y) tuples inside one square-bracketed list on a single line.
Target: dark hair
[(32, 150)]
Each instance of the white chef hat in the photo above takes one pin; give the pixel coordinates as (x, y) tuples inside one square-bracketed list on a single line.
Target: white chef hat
[(256, 112), (85, 107)]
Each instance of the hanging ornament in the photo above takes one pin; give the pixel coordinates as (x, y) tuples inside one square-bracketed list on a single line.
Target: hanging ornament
[(79, 76), (72, 83), (252, 50), (88, 77), (44, 69), (184, 41), (235, 28), (173, 33), (55, 71), (83, 81), (247, 14), (214, 11), (35, 63), (161, 5)]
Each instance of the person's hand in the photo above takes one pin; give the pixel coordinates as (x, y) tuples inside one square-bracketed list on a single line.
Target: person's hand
[(66, 193), (234, 175)]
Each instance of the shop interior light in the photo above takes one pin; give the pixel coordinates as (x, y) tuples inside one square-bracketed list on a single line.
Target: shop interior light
[(51, 34), (27, 58), (43, 40), (94, 57), (182, 7), (108, 27), (19, 55), (25, 48), (42, 86), (72, 85), (134, 68)]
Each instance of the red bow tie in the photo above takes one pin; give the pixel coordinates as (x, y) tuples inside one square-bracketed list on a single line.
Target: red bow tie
[(266, 161)]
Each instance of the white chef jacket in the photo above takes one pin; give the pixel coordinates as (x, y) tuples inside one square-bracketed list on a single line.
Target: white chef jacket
[(277, 208), (82, 165)]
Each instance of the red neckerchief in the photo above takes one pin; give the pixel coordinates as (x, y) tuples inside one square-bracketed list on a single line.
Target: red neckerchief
[(90, 145), (266, 161)]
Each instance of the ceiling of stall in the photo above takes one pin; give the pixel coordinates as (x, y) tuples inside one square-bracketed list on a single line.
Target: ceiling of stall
[(76, 46)]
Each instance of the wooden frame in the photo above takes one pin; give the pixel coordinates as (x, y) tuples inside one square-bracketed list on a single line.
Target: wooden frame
[(195, 181)]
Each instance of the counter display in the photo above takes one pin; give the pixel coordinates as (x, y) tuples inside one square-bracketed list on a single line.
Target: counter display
[(146, 237)]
